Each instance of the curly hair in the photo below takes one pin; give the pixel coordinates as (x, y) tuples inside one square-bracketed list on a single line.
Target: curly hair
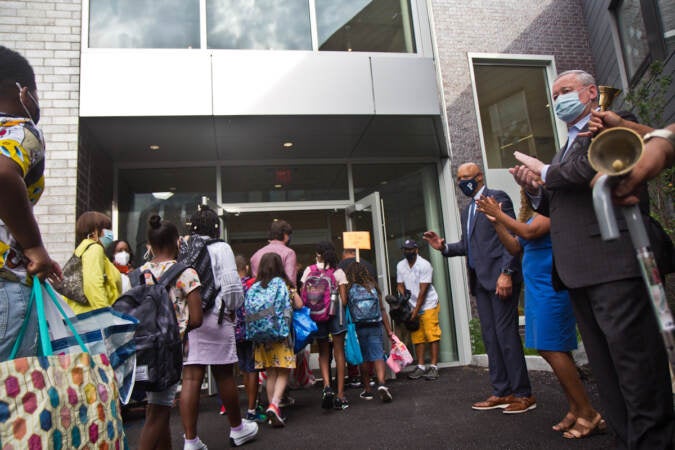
[(357, 273), (327, 251), (14, 68), (204, 222)]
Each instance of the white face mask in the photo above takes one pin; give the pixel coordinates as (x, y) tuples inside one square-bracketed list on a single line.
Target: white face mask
[(122, 258)]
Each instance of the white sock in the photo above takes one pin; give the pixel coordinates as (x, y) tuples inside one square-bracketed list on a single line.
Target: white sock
[(192, 441), (251, 411), (422, 367), (434, 366)]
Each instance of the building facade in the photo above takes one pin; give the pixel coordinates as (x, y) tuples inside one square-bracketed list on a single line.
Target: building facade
[(335, 116)]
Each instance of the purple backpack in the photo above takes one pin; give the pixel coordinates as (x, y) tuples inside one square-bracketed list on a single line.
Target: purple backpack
[(316, 292)]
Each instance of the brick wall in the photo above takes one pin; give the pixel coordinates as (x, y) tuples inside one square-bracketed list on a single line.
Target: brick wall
[(47, 33), (553, 27)]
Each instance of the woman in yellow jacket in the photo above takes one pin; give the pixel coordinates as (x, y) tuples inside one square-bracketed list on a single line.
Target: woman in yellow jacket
[(102, 282)]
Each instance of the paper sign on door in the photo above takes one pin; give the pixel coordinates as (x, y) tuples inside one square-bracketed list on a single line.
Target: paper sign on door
[(356, 239)]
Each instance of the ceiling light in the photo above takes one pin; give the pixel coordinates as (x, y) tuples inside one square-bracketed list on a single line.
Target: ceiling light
[(287, 144), (278, 186), (162, 195), (154, 147)]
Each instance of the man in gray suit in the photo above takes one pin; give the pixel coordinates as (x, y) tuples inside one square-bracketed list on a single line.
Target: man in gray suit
[(610, 300), (495, 280)]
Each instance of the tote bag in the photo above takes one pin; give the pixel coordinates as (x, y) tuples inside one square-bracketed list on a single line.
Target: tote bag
[(58, 401), (352, 348), (103, 331)]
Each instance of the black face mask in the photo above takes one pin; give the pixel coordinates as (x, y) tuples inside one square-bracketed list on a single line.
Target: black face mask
[(35, 117), (410, 256), (468, 187)]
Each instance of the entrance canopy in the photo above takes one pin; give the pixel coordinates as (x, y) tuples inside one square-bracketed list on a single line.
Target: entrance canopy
[(153, 141)]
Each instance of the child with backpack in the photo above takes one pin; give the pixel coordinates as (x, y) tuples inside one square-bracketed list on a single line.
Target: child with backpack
[(370, 316), (323, 292), (184, 294), (245, 348), (268, 305), (213, 344)]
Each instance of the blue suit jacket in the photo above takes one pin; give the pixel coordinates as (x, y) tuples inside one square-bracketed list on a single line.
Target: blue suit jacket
[(487, 252)]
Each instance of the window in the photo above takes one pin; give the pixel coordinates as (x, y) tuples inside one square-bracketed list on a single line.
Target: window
[(515, 112), (633, 35), (646, 31), (667, 10), (144, 24), (365, 26), (258, 24)]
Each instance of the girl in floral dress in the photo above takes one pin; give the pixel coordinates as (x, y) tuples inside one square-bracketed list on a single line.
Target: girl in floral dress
[(277, 358)]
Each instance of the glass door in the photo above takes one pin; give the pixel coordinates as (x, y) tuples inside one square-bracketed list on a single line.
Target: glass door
[(367, 214)]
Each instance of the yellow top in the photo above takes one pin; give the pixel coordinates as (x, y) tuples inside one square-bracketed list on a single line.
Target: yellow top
[(101, 279)]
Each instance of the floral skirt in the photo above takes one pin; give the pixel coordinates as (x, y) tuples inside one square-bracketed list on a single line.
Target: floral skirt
[(274, 354)]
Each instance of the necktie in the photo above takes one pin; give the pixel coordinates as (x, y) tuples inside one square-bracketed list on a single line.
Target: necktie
[(469, 222)]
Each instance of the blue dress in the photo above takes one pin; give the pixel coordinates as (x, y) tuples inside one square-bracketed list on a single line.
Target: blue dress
[(549, 319)]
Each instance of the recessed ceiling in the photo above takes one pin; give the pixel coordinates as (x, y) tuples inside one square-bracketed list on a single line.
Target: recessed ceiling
[(260, 138)]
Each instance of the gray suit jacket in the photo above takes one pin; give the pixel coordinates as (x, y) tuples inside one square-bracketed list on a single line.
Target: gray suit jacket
[(488, 253), (580, 256)]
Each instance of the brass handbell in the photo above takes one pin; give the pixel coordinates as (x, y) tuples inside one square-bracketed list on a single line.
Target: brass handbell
[(607, 96)]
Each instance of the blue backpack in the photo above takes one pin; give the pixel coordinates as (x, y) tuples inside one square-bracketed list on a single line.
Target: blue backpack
[(268, 312), (364, 304)]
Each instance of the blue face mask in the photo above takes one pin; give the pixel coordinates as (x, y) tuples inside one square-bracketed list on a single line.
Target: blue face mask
[(568, 106), (468, 187), (107, 238)]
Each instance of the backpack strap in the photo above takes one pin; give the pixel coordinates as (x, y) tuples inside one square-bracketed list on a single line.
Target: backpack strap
[(174, 272)]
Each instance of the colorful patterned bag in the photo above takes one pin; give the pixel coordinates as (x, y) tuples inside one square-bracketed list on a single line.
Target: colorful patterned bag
[(58, 402)]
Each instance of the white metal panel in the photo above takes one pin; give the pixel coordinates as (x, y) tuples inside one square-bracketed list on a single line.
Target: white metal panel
[(145, 83), (266, 82), (405, 85), (501, 179)]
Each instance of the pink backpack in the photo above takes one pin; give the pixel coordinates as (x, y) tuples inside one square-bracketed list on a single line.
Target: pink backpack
[(316, 292)]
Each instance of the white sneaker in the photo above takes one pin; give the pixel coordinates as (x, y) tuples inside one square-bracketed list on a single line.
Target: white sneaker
[(199, 445), (247, 433)]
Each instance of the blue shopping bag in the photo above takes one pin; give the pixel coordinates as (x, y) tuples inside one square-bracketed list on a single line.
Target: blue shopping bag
[(353, 353), (303, 327)]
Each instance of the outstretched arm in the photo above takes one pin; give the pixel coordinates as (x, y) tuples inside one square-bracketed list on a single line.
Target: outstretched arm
[(533, 230)]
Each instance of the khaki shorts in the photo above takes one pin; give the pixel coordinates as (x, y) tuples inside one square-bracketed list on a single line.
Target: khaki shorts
[(430, 330)]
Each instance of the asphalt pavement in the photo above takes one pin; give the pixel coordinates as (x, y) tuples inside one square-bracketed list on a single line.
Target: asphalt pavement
[(423, 414)]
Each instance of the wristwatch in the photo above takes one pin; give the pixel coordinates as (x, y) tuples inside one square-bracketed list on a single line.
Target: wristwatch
[(507, 271), (663, 134)]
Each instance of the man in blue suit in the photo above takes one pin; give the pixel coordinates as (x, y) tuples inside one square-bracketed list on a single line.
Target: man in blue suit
[(495, 281)]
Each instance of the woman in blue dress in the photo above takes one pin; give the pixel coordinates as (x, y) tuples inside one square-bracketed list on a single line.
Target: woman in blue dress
[(550, 327)]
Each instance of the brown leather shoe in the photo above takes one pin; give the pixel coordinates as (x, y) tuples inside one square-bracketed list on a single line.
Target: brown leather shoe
[(493, 402), (520, 405)]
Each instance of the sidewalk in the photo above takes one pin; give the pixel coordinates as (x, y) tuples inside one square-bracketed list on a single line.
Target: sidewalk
[(424, 414)]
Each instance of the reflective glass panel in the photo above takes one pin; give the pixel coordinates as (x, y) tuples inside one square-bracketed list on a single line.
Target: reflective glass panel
[(284, 183), (667, 10), (258, 24), (365, 26), (144, 23), (515, 113), (411, 203), (173, 193), (633, 35)]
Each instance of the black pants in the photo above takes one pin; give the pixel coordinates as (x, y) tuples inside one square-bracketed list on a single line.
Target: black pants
[(629, 361)]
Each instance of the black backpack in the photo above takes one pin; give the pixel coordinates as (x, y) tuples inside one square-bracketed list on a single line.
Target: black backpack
[(194, 253), (159, 348)]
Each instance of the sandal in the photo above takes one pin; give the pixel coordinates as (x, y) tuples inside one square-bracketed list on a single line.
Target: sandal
[(566, 423), (584, 428)]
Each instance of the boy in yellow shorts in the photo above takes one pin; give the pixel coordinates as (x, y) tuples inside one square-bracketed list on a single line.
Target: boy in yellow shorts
[(415, 273)]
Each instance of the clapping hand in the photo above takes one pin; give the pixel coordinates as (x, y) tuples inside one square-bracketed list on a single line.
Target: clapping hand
[(489, 207)]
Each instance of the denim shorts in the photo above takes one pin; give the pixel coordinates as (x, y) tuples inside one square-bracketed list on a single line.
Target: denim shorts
[(163, 398), (371, 341), (14, 298), (331, 326), (246, 357)]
